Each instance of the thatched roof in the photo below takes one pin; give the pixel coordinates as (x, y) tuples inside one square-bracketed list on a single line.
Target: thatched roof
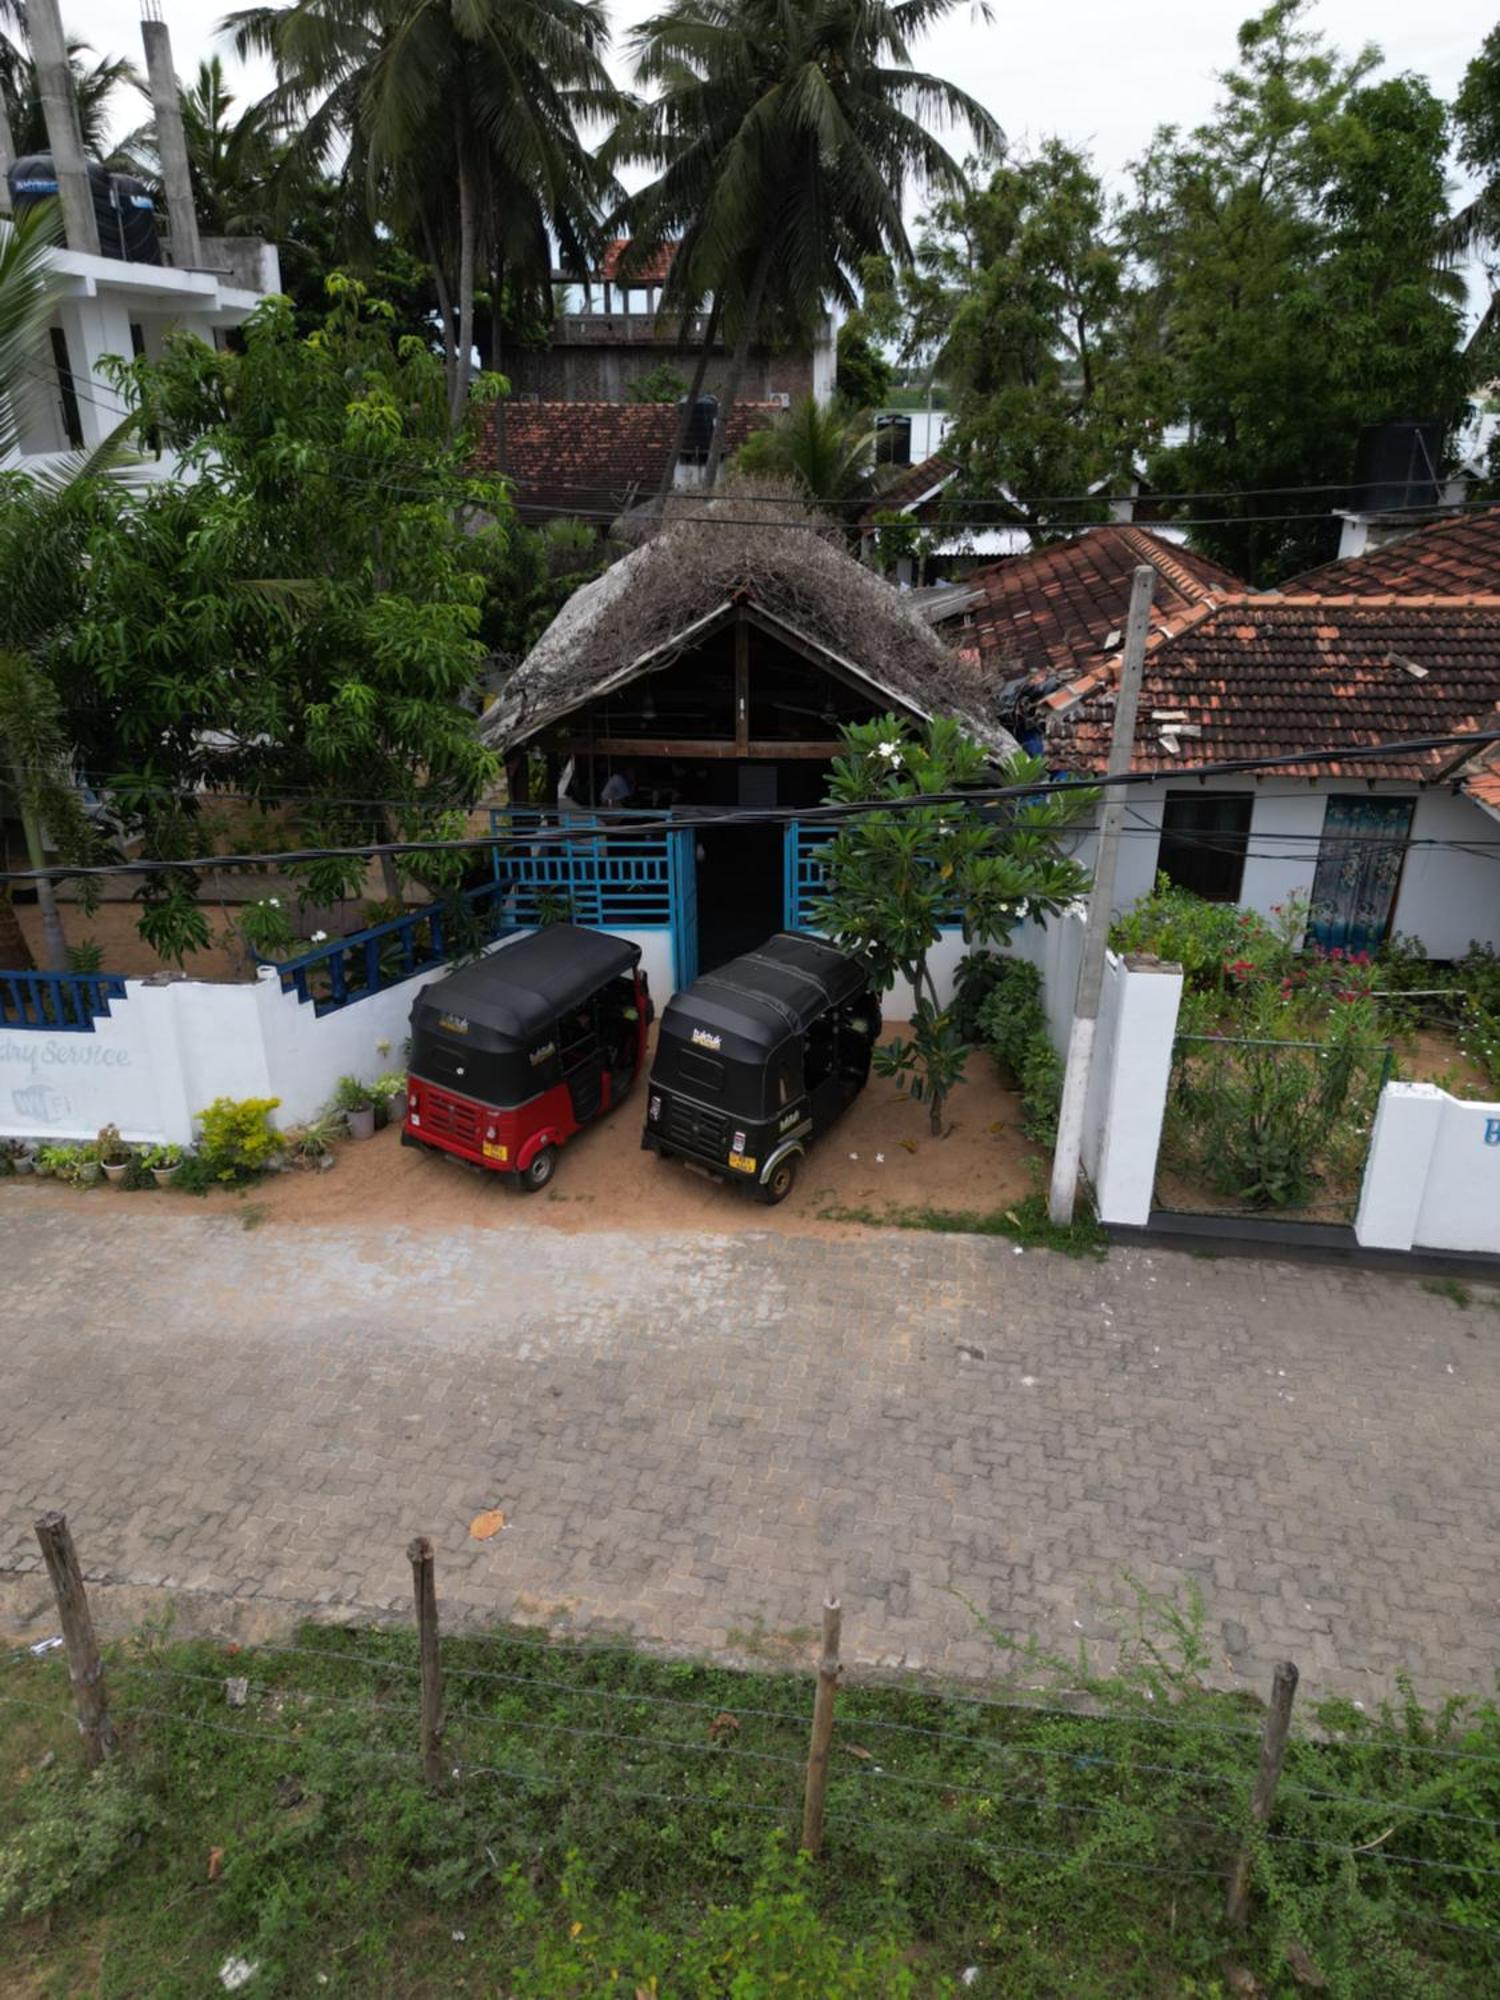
[(708, 558)]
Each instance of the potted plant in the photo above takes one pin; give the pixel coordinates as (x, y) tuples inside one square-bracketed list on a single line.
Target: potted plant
[(22, 1155), (389, 1092), (59, 1162), (114, 1154), (309, 1147), (356, 1101), (88, 1169), (163, 1162)]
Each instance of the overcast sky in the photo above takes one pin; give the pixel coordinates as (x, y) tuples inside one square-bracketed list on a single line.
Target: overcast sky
[(1098, 71)]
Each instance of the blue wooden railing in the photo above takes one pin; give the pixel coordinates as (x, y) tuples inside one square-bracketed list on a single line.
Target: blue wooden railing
[(609, 876), (804, 877), (58, 1002), (352, 968)]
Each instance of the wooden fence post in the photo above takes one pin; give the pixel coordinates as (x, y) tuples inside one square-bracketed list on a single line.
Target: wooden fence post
[(822, 1732), (1273, 1737), (424, 1592), (85, 1669)]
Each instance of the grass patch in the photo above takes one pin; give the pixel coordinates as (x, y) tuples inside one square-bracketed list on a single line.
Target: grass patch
[(1026, 1222), (614, 1823), (1454, 1290)]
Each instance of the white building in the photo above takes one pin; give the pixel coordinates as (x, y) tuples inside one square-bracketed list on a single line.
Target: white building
[(106, 307)]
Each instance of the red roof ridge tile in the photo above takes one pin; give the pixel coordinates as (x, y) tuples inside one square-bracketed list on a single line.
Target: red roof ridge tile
[(1161, 557)]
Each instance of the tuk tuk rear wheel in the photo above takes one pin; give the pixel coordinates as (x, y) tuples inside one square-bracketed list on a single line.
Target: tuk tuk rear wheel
[(540, 1169), (780, 1181)]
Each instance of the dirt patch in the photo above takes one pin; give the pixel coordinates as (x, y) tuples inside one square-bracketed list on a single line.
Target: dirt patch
[(879, 1158), (1433, 1055)]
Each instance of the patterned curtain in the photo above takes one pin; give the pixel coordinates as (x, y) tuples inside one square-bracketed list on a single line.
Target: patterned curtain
[(1359, 868)]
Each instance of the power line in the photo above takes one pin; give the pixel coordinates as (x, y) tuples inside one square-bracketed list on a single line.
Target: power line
[(603, 822)]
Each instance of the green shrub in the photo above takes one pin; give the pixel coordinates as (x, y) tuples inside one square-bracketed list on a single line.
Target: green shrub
[(238, 1141), (774, 1943), (974, 979), (76, 1830), (1012, 1023)]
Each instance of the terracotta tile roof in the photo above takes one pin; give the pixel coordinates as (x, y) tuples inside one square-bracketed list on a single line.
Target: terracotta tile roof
[(1457, 555), (654, 266), (1263, 676), (912, 484), (594, 460), (1053, 612)]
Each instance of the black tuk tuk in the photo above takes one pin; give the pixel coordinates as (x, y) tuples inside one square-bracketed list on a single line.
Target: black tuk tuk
[(514, 1053), (758, 1058)]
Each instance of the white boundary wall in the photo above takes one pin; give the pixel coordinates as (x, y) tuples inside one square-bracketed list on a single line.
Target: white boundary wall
[(1432, 1180), (171, 1046)]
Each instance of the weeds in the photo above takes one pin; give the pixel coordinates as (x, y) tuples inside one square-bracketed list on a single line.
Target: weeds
[(1452, 1289), (1026, 1223), (1060, 1830)]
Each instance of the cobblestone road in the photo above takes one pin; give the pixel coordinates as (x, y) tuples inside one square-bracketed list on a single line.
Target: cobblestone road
[(691, 1438)]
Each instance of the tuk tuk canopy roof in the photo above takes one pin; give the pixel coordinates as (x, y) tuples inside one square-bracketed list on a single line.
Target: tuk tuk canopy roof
[(516, 993), (757, 1002)]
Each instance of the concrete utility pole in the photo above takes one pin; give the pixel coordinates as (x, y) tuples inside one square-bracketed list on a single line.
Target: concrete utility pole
[(171, 140), (1065, 1161), (54, 82)]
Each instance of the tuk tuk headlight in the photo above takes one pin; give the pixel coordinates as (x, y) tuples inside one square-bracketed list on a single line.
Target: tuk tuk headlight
[(654, 1109)]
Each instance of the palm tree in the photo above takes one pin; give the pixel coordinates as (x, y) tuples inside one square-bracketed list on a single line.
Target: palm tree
[(828, 452), (462, 117), (785, 134), (94, 86), (233, 159), (42, 526)]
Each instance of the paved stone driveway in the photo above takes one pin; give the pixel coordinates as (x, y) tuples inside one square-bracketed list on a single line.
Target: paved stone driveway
[(693, 1437)]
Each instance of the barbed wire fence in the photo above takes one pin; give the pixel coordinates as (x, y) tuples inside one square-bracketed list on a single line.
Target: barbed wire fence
[(1223, 1798)]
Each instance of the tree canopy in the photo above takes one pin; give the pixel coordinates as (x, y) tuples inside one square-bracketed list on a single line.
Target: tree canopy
[(298, 623)]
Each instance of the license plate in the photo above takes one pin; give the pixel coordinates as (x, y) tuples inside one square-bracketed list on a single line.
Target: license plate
[(494, 1152), (742, 1163)]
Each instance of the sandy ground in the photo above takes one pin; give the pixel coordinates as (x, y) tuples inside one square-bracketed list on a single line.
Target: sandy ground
[(878, 1158)]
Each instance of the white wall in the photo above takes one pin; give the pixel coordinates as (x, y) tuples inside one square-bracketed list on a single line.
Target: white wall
[(1432, 1180), (1447, 897), (171, 1046)]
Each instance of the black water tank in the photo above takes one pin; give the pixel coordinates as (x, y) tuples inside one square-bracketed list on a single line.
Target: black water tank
[(893, 440), (124, 212), (1397, 465), (135, 211), (700, 430)]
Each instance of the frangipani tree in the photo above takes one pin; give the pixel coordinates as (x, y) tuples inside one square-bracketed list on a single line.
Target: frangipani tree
[(941, 839)]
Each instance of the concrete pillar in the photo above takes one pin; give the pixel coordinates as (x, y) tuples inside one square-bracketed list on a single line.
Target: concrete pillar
[(7, 155), (54, 82), (1128, 1085), (171, 140), (1408, 1120)]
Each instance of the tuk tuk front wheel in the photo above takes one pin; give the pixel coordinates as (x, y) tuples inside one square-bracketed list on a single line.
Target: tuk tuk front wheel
[(540, 1169), (780, 1181)]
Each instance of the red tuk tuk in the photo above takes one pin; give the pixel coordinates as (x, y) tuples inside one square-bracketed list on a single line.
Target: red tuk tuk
[(514, 1053)]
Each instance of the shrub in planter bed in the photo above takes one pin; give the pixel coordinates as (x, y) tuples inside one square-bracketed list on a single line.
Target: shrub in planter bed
[(238, 1141), (1012, 1024)]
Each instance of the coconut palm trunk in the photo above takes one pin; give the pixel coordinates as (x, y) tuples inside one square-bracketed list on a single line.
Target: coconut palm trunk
[(466, 237), (749, 326), (54, 940)]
